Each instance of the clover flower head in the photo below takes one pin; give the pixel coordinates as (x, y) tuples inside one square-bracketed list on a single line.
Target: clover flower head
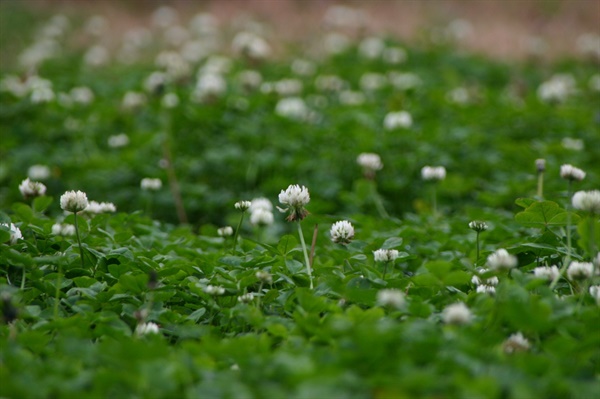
[(246, 298), (433, 173), (588, 201), (242, 205), (580, 270), (546, 272), (74, 201), (595, 293), (214, 290), (391, 297), (264, 276), (38, 172), (261, 217), (399, 119), (501, 259), (30, 189), (570, 172), (63, 229), (15, 232), (370, 162), (478, 226), (516, 343), (261, 203), (490, 281), (342, 232), (146, 328), (95, 207), (456, 313), (150, 184), (385, 255), (296, 197), (486, 289), (540, 165), (225, 231)]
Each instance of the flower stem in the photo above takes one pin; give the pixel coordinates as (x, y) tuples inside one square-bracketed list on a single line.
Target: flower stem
[(78, 240), (568, 257), (477, 239), (57, 294), (23, 279), (385, 266), (306, 260), (540, 185), (237, 232)]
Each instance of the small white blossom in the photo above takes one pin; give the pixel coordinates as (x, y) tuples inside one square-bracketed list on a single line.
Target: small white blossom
[(251, 45), (146, 328), (491, 281), (342, 232), (133, 100), (265, 277), (38, 172), (587, 201), (570, 172), (348, 97), (372, 81), (242, 205), (225, 231), (459, 96), (296, 197), (404, 81), (246, 298), (209, 86), (478, 226), (118, 140), (557, 89), (95, 207), (63, 229), (170, 100), (516, 343), (292, 107), (261, 203), (580, 270), (572, 144), (15, 232), (385, 255), (82, 95), (261, 217), (30, 189), (595, 293), (540, 165), (303, 67), (150, 184), (214, 290), (394, 55), (250, 79), (371, 47), (391, 297), (456, 313), (501, 259), (433, 173), (96, 56), (370, 162), (395, 120), (546, 272), (74, 201), (486, 289)]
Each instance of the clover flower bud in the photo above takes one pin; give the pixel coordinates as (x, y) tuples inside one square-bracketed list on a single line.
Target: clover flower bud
[(74, 201), (214, 290), (486, 289), (342, 232), (146, 328), (246, 298), (63, 229), (370, 163), (595, 293), (540, 165), (243, 205), (478, 226)]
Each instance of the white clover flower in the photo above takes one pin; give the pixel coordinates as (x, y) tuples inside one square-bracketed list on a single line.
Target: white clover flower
[(250, 79), (251, 45), (30, 189), (95, 207), (370, 162), (292, 107), (572, 144), (486, 289), (501, 259), (155, 82), (296, 197), (595, 293), (491, 281), (395, 120), (214, 290), (96, 56), (348, 97), (342, 232), (63, 229), (459, 96), (150, 184), (118, 140), (303, 67), (15, 232), (242, 205), (391, 297), (580, 270), (385, 255), (336, 43), (570, 172), (147, 328), (433, 173), (478, 225), (246, 298), (516, 343), (557, 89), (546, 272), (540, 165), (38, 172), (82, 95), (261, 203), (265, 277), (261, 217), (225, 231), (394, 55), (133, 100), (372, 81), (170, 101), (74, 201), (588, 201), (371, 47), (209, 86), (164, 16), (404, 81), (331, 83), (456, 313)]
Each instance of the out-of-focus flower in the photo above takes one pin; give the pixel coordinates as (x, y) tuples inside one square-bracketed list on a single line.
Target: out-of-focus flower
[(170, 100), (349, 97), (336, 43), (456, 313), (459, 95), (261, 217), (246, 298), (264, 276), (296, 197), (370, 162), (82, 95), (63, 229), (588, 201), (133, 100), (214, 290), (486, 289), (209, 86), (394, 55), (501, 260), (164, 16), (95, 207), (38, 172), (595, 293), (540, 165), (96, 56), (490, 281), (330, 83), (303, 67), (30, 189), (433, 173), (395, 120), (292, 107), (342, 232), (572, 144), (150, 184), (570, 172), (557, 89), (589, 45), (251, 45), (261, 203), (146, 328), (404, 81), (546, 272), (391, 297), (118, 140), (342, 16), (15, 232), (371, 47), (385, 255), (250, 79), (516, 343), (155, 82), (74, 201), (580, 270), (225, 231), (242, 205), (478, 226), (371, 81)]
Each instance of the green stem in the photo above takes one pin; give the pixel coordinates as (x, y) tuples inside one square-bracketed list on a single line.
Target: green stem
[(237, 231), (385, 270), (477, 259), (23, 279), (540, 185), (57, 294), (306, 260), (568, 257), (378, 203), (78, 240)]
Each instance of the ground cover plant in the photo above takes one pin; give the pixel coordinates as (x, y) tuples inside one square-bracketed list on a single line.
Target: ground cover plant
[(191, 214)]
